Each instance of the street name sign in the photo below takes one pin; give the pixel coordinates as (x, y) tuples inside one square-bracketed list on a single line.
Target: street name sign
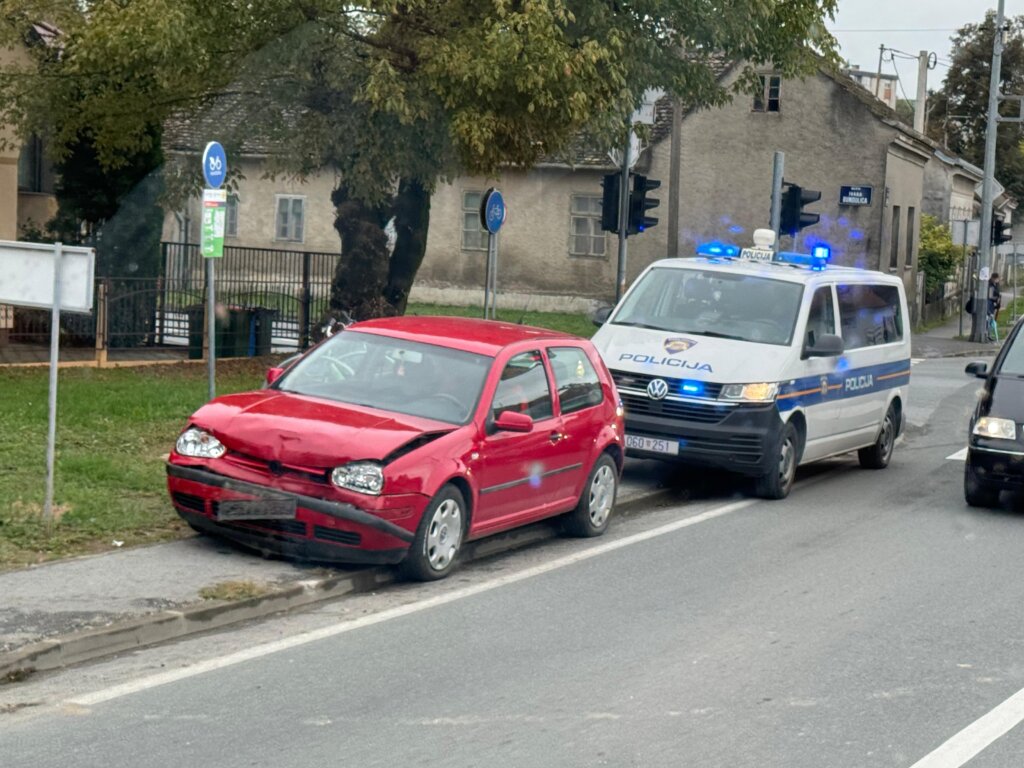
[(855, 195)]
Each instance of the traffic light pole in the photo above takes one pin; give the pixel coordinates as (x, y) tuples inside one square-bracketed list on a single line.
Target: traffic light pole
[(620, 280), (988, 184), (778, 168)]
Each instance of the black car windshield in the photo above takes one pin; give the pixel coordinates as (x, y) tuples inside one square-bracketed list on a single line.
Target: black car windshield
[(1013, 361), (391, 374), (730, 306)]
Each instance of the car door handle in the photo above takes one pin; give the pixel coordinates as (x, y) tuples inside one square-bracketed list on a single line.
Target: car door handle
[(555, 436)]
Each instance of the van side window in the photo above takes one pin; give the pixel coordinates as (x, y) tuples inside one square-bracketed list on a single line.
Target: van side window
[(821, 319), (575, 378), (870, 315)]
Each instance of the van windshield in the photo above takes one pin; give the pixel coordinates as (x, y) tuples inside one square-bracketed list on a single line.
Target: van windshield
[(734, 306)]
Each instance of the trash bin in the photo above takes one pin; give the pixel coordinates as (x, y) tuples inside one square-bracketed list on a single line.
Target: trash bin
[(262, 331), (233, 332)]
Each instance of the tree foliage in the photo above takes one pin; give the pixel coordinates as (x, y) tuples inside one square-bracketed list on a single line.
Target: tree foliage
[(938, 257), (960, 108), (392, 96)]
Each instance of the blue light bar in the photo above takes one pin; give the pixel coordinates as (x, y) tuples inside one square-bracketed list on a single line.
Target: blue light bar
[(716, 248), (692, 388), (816, 260)]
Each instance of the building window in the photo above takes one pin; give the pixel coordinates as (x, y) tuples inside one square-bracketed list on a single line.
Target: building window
[(888, 93), (231, 225), (894, 239), (474, 236), (32, 176), (587, 237), (767, 98), (290, 218), (910, 238)]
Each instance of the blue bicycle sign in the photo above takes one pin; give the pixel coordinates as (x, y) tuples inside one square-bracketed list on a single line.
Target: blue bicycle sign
[(215, 165), (493, 211)]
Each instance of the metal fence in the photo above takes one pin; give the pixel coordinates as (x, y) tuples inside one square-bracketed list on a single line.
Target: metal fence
[(289, 290)]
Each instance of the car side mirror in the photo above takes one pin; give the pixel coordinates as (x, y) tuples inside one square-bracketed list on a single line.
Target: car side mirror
[(600, 315), (978, 369), (514, 421), (825, 345), (273, 374)]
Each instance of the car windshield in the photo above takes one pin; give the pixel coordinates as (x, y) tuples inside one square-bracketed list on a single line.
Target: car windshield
[(705, 302), (391, 374), (1013, 362)]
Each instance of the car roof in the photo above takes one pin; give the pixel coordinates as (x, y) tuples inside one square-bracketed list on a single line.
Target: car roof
[(485, 337), (777, 270)]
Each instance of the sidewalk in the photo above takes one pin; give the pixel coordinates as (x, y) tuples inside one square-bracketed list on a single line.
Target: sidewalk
[(70, 611)]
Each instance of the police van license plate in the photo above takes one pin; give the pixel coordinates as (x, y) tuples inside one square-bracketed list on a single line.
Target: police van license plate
[(652, 444)]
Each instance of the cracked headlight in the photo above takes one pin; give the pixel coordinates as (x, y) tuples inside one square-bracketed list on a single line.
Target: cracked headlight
[(361, 476), (199, 444), (987, 426)]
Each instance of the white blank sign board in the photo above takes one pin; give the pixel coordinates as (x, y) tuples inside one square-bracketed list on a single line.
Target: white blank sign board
[(26, 276)]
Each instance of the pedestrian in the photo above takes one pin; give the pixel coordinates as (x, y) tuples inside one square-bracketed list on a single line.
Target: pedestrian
[(995, 296)]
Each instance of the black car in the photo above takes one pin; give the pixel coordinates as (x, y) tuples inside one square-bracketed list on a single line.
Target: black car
[(995, 443)]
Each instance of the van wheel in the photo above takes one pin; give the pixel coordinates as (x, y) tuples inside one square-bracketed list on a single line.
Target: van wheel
[(877, 456), (779, 481), (978, 493)]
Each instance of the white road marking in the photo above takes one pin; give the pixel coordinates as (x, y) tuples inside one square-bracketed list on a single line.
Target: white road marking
[(960, 455), (976, 736), (162, 678), (915, 360)]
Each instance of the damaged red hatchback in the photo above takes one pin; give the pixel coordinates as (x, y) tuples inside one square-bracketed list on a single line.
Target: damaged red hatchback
[(398, 440)]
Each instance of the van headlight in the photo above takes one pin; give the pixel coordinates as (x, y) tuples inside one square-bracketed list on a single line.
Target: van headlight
[(987, 426), (760, 392), (199, 444), (361, 476)]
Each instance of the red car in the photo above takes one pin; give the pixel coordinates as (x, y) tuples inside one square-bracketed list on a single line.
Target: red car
[(398, 440)]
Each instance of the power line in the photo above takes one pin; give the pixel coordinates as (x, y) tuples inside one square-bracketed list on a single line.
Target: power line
[(845, 31)]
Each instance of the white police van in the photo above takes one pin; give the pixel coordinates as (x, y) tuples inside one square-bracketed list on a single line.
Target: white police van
[(755, 361)]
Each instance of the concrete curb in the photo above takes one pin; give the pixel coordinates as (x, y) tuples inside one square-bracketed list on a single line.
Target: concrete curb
[(151, 629)]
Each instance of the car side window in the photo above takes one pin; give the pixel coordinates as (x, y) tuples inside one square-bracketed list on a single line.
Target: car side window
[(821, 319), (870, 315), (524, 388), (575, 379)]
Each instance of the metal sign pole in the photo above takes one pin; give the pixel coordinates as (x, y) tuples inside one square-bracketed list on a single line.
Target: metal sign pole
[(487, 277), (51, 432), (778, 170), (211, 315), (492, 258)]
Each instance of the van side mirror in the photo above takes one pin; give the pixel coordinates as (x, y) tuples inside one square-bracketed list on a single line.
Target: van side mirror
[(600, 315), (978, 369), (825, 345)]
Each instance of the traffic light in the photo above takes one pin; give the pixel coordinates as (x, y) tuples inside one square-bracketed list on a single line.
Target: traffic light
[(610, 203), (1002, 232), (640, 204), (794, 218)]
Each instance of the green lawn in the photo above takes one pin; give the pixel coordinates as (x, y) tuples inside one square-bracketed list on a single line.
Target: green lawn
[(113, 428)]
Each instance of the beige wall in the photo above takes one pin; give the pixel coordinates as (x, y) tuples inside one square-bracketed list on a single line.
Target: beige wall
[(533, 245), (903, 187), (9, 162), (257, 212)]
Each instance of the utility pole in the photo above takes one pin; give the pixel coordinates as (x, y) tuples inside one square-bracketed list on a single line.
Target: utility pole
[(674, 172), (878, 76), (988, 183), (778, 170), (920, 105), (627, 161)]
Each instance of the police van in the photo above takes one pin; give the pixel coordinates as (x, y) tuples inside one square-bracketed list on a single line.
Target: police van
[(756, 362)]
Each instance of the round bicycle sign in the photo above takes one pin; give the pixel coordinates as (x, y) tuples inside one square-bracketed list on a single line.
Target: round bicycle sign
[(215, 164), (493, 211)]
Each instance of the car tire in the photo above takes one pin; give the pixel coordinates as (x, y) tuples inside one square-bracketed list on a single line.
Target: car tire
[(594, 509), (779, 481), (978, 493), (877, 456), (435, 550)]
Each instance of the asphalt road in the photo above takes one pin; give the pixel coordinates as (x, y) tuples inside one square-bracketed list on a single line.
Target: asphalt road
[(864, 621)]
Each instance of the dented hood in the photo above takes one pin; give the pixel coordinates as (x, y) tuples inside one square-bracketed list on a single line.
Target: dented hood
[(297, 430)]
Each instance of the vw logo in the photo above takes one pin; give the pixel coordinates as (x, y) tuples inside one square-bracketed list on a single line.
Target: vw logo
[(657, 389)]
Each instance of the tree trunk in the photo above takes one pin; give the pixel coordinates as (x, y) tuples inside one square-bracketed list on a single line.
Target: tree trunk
[(369, 281)]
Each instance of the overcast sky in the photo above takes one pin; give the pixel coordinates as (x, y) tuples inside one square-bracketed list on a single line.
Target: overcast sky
[(910, 26)]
